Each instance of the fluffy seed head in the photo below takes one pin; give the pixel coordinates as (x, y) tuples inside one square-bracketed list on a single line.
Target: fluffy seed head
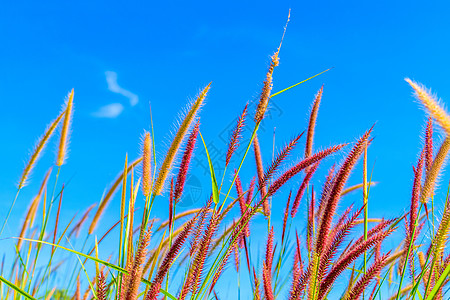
[(312, 123), (38, 149), (178, 139), (267, 88), (65, 131), (147, 165), (431, 104)]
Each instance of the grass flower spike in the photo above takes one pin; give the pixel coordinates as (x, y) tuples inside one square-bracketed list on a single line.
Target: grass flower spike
[(147, 165), (38, 151), (432, 105), (65, 131), (178, 139)]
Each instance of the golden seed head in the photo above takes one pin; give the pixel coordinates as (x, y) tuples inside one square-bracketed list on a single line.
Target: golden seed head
[(146, 165), (431, 104), (178, 139), (62, 151)]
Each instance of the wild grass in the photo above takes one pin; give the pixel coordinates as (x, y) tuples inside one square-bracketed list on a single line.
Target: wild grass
[(188, 255)]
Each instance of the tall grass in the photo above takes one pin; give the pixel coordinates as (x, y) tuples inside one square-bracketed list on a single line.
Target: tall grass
[(186, 256)]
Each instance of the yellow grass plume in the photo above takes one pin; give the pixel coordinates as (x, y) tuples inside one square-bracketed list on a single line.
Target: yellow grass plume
[(147, 165), (443, 119), (431, 104), (62, 151), (178, 139), (38, 150), (432, 175)]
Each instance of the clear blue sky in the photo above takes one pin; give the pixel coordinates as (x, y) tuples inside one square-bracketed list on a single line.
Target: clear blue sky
[(119, 57)]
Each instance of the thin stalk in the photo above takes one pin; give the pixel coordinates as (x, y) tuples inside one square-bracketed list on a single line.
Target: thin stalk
[(407, 255), (9, 211), (170, 244), (44, 225)]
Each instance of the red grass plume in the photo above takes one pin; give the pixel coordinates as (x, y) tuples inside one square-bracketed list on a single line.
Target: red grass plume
[(429, 145), (267, 88), (131, 281), (282, 155), (260, 173), (101, 286), (267, 267), (371, 274), (235, 136), (196, 269), (312, 123), (274, 187), (335, 193), (302, 189), (185, 161), (169, 259), (348, 258)]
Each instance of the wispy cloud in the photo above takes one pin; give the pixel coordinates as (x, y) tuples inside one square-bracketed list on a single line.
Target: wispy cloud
[(113, 86), (109, 111)]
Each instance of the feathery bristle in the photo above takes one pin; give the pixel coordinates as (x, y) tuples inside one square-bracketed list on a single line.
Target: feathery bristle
[(202, 252), (310, 228), (286, 215), (260, 173), (371, 274), (185, 161), (433, 174), (297, 267), (176, 143), (312, 123), (429, 145), (441, 237), (242, 206), (326, 189), (375, 230), (431, 104), (282, 155), (65, 131), (237, 232), (101, 286), (250, 191), (236, 257), (335, 193), (235, 136), (169, 259), (274, 187), (302, 188), (412, 229), (267, 88), (267, 267), (171, 200), (132, 280), (335, 240), (348, 258), (38, 149), (199, 227), (147, 165), (256, 293)]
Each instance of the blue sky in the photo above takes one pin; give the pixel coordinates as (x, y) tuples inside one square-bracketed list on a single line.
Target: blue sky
[(120, 57)]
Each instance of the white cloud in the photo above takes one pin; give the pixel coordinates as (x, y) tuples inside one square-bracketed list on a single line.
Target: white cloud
[(111, 79), (109, 111)]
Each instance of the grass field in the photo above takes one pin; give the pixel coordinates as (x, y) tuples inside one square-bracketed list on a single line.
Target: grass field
[(340, 254)]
